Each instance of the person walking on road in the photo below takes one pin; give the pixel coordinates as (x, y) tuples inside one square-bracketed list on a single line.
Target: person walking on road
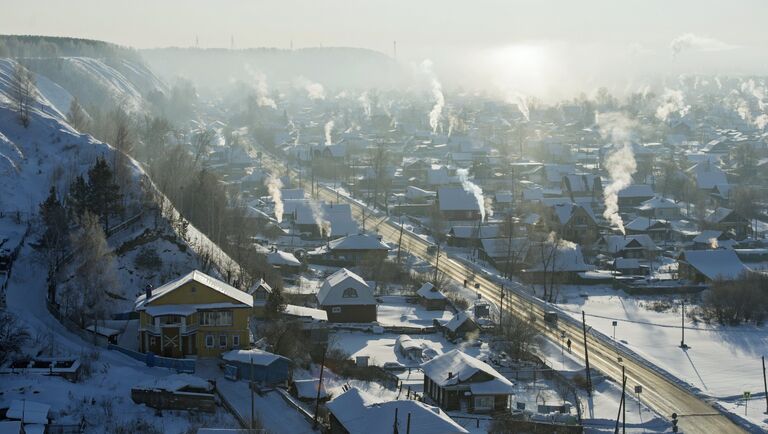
[(569, 344)]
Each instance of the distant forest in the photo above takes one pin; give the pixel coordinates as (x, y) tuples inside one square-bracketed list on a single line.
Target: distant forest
[(21, 46)]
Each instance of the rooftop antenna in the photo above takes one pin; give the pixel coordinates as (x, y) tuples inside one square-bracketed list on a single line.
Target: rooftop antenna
[(394, 49), (197, 41), (232, 42), (291, 44)]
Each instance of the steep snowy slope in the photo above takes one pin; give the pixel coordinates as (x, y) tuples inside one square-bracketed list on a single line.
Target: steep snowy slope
[(99, 81)]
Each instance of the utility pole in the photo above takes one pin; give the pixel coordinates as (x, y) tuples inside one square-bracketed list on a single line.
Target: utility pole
[(501, 307), (586, 351), (437, 263), (253, 408), (682, 325), (319, 386), (765, 387), (400, 240), (622, 405)]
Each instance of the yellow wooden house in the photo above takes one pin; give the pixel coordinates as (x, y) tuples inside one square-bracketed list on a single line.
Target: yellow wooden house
[(195, 315)]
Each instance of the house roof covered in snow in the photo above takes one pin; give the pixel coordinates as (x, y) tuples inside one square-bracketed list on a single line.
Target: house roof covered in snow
[(456, 199), (259, 357), (718, 215), (657, 202), (644, 224), (429, 291), (307, 389), (361, 413), (260, 284), (615, 243), (455, 367), (567, 258), (305, 312), (358, 242), (636, 190), (196, 276), (335, 290), (460, 318), (708, 175), (504, 247), (28, 411), (281, 258), (714, 264), (473, 231)]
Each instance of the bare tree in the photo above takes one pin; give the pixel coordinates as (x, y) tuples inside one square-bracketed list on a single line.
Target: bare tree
[(201, 143), (23, 85), (96, 272), (13, 336), (77, 117)]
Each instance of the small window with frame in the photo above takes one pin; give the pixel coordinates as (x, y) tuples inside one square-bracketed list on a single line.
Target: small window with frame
[(209, 341), (336, 309), (236, 340), (223, 341)]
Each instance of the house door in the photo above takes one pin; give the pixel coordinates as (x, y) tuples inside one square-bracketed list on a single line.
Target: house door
[(170, 342)]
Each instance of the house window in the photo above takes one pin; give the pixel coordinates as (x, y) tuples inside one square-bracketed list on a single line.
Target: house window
[(336, 309), (236, 341), (484, 402), (153, 340), (209, 341), (350, 293), (223, 341), (216, 318)]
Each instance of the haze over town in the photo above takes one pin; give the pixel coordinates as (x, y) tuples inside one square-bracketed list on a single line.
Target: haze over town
[(364, 217)]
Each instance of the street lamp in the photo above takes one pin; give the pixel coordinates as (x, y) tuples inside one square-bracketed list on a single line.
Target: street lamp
[(562, 349), (614, 323)]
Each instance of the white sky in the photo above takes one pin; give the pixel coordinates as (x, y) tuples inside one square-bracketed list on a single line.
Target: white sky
[(419, 26), (548, 48)]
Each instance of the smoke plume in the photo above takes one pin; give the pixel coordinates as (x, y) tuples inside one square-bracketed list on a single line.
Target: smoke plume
[(713, 244), (314, 90), (672, 102), (437, 92), (262, 92), (318, 215), (620, 163), (274, 185), (473, 188), (691, 42), (328, 130), (365, 101)]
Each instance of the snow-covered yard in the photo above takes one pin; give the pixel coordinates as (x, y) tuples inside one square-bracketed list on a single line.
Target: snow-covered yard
[(721, 361), (395, 311)]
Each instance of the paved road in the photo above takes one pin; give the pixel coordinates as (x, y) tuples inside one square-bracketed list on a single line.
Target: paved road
[(659, 392)]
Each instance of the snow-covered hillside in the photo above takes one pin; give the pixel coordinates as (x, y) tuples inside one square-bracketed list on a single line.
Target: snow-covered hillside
[(98, 81)]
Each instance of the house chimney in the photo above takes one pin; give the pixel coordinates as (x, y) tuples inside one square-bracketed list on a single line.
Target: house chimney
[(148, 290), (450, 375)]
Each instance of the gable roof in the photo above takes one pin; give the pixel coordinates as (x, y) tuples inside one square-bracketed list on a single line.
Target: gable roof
[(637, 190), (568, 258), (657, 202), (358, 242), (614, 243), (718, 215), (259, 357), (644, 224), (718, 263), (331, 293), (201, 278), (501, 247), (467, 231), (456, 199), (279, 257), (429, 291), (360, 413), (456, 367)]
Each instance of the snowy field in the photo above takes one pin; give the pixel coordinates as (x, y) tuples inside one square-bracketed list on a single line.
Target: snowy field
[(722, 361)]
